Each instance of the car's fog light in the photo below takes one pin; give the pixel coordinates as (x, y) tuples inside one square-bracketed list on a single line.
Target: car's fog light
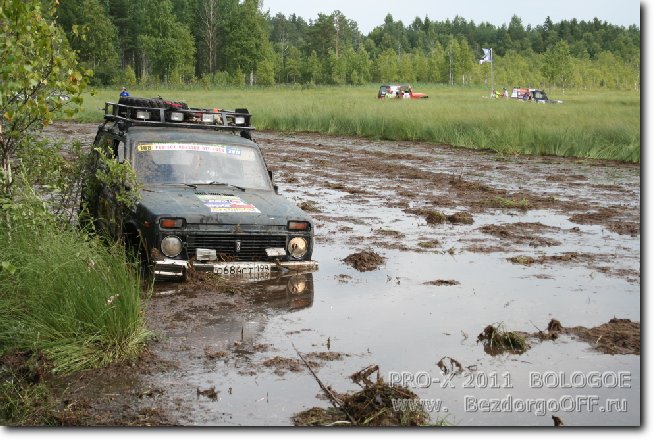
[(171, 246), (298, 247)]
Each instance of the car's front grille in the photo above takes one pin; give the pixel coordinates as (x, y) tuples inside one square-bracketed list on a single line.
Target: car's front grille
[(251, 247)]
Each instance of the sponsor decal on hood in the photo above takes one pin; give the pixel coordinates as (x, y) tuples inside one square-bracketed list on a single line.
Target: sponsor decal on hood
[(225, 203)]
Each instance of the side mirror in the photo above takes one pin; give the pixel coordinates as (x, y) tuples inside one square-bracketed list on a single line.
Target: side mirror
[(275, 187), (121, 153)]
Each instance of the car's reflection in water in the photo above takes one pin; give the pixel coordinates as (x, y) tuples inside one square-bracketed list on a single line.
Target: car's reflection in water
[(278, 292), (289, 292)]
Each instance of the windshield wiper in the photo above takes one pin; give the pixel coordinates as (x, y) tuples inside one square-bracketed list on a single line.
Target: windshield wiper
[(225, 184), (214, 182)]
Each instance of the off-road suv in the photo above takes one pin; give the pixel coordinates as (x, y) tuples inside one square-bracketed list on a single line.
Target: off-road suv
[(532, 95), (207, 199)]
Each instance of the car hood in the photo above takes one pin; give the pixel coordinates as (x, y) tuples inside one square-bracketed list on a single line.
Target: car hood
[(210, 204)]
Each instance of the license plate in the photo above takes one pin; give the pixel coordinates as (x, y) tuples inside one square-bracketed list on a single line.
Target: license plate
[(242, 269)]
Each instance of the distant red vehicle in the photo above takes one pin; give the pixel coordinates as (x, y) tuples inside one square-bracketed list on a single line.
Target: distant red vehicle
[(400, 91)]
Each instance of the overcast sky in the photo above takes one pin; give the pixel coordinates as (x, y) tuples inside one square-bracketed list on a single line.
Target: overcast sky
[(370, 13)]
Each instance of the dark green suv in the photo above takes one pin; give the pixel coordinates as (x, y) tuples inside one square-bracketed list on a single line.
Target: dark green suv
[(207, 199)]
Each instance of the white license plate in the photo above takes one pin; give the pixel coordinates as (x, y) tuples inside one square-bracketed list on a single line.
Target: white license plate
[(242, 269)]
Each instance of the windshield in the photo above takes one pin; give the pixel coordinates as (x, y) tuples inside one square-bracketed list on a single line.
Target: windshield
[(539, 94), (197, 163)]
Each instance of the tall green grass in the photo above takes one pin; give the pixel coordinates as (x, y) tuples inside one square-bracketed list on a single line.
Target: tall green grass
[(67, 295), (599, 125)]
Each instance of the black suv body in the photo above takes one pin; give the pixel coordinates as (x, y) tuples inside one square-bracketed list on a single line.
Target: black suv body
[(207, 200)]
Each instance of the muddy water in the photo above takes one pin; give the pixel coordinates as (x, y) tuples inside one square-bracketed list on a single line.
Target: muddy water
[(367, 195), (390, 317)]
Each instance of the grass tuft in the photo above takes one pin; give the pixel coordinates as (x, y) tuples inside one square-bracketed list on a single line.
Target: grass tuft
[(68, 296)]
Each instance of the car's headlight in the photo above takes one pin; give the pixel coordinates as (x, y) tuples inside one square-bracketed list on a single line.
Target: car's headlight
[(171, 246), (298, 247)]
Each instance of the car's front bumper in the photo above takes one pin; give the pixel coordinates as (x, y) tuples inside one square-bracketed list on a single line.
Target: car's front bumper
[(169, 269)]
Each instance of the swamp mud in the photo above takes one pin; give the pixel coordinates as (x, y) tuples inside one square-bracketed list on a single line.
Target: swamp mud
[(469, 240)]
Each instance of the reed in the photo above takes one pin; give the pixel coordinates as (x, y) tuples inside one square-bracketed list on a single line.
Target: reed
[(593, 124), (67, 295)]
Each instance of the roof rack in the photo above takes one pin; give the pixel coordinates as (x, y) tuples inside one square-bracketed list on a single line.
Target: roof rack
[(161, 113)]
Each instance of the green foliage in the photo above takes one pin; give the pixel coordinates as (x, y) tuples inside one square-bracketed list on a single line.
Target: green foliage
[(120, 176), (502, 202), (63, 293), (165, 45), (126, 78), (36, 64), (248, 44), (70, 296), (92, 34), (23, 403), (557, 64), (169, 41), (54, 176)]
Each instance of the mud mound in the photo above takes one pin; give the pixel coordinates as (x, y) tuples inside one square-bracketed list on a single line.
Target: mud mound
[(441, 283), (365, 261), (375, 405), (309, 206), (618, 336), (526, 260), (594, 217), (463, 218), (521, 233), (434, 217), (497, 341), (23, 365), (327, 355), (625, 228), (282, 365)]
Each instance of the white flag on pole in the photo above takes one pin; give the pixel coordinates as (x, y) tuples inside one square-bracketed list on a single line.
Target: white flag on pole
[(488, 58)]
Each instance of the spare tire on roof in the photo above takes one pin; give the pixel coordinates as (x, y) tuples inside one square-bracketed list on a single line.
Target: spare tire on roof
[(151, 102)]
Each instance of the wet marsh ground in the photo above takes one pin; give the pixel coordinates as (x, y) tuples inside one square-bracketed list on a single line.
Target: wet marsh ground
[(454, 241)]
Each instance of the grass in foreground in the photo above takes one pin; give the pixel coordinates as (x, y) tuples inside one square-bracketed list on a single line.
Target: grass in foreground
[(67, 295), (598, 125)]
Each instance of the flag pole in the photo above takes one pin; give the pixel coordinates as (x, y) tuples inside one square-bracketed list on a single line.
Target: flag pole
[(492, 82)]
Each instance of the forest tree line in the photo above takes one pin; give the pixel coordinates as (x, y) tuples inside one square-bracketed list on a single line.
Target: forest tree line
[(232, 42)]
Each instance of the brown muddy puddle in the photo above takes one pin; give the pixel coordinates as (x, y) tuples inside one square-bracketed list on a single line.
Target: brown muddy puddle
[(522, 262), (394, 318)]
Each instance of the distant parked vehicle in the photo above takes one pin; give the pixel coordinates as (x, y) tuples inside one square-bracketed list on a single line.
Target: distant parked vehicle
[(401, 91), (534, 95)]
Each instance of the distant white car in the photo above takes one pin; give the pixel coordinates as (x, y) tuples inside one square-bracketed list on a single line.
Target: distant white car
[(56, 95), (535, 95)]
